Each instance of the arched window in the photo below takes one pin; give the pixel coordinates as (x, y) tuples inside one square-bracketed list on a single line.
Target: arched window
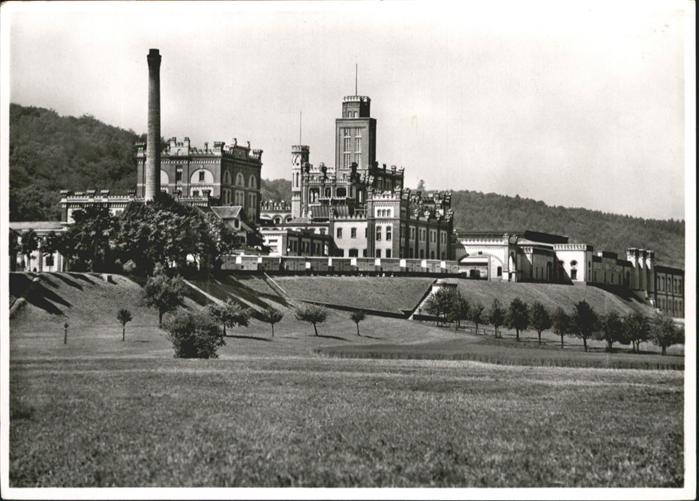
[(226, 177), (341, 192), (313, 195), (328, 192), (252, 182), (202, 176), (164, 178), (239, 180), (573, 263)]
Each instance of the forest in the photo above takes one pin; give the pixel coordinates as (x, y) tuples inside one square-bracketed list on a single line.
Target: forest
[(49, 152)]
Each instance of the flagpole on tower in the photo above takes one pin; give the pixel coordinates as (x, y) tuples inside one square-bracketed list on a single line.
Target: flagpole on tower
[(356, 70), (300, 126)]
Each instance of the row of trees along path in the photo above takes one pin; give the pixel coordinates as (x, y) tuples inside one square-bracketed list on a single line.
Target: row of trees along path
[(447, 305)]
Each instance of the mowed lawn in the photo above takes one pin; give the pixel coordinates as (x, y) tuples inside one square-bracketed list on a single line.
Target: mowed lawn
[(266, 421)]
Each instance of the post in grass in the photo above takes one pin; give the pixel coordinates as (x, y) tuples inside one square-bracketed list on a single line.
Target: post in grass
[(65, 333)]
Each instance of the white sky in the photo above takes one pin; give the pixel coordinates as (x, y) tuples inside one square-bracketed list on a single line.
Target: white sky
[(573, 103)]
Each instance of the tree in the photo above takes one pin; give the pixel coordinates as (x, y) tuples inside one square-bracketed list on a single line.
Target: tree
[(421, 185), (458, 309), (518, 316), (163, 292), (194, 335), (664, 333), (539, 318), (312, 314), (584, 321), (439, 303), (356, 317), (29, 243), (124, 316), (636, 329), (52, 242), (14, 249), (612, 329), (229, 314), (476, 315), (271, 316), (90, 238), (496, 316), (560, 321)]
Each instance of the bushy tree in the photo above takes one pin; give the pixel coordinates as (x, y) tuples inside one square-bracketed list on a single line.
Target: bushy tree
[(88, 239), (14, 249), (539, 318), (611, 329), (163, 292), (312, 314), (356, 317), (458, 309), (518, 316), (664, 332), (229, 314), (194, 335), (561, 323), (496, 316), (271, 316), (439, 303), (636, 329), (584, 321), (477, 315), (124, 316), (29, 243)]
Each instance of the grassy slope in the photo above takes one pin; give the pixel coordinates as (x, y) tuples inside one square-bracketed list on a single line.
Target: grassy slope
[(311, 422), (550, 295)]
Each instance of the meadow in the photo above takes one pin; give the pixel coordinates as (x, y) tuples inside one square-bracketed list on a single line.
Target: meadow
[(272, 412)]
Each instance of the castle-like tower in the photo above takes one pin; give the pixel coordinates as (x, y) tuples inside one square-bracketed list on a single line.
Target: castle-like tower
[(355, 135), (299, 158)]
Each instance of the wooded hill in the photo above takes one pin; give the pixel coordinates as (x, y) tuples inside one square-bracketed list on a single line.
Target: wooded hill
[(49, 152)]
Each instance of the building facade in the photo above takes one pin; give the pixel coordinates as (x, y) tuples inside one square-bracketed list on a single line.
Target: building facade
[(362, 205)]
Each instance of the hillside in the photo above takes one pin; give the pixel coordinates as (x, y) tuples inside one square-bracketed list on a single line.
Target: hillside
[(49, 152)]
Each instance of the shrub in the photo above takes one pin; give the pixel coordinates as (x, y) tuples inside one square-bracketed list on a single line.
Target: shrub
[(229, 314), (312, 314), (163, 292), (194, 335), (612, 329), (664, 333)]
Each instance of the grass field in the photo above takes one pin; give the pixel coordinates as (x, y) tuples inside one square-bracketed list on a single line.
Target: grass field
[(313, 422), (271, 412)]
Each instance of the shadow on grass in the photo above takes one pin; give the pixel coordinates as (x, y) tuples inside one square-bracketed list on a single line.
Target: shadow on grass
[(83, 277), (45, 279), (43, 298), (248, 337), (68, 281), (370, 337), (329, 337)]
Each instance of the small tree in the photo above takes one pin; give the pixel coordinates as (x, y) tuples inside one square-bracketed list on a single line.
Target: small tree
[(194, 335), (124, 317), (518, 316), (356, 317), (271, 316), (458, 309), (439, 303), (229, 314), (664, 333), (612, 329), (496, 316), (584, 321), (539, 318), (636, 329), (476, 315), (163, 292), (560, 321), (312, 314)]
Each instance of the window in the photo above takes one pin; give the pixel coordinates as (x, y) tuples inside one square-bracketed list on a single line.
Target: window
[(195, 193), (378, 252), (178, 174), (49, 260), (366, 233), (388, 233), (341, 192), (353, 232), (499, 271), (322, 231), (433, 236), (201, 176), (364, 253), (573, 263), (422, 253), (431, 254), (574, 274), (410, 253), (206, 193), (378, 233), (388, 253), (328, 192), (353, 253), (239, 179), (339, 233), (252, 183), (412, 234)]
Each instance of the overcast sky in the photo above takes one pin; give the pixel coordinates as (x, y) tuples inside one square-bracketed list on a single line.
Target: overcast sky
[(572, 103)]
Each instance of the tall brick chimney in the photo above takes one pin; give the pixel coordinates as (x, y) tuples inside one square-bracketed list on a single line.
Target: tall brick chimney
[(153, 140)]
